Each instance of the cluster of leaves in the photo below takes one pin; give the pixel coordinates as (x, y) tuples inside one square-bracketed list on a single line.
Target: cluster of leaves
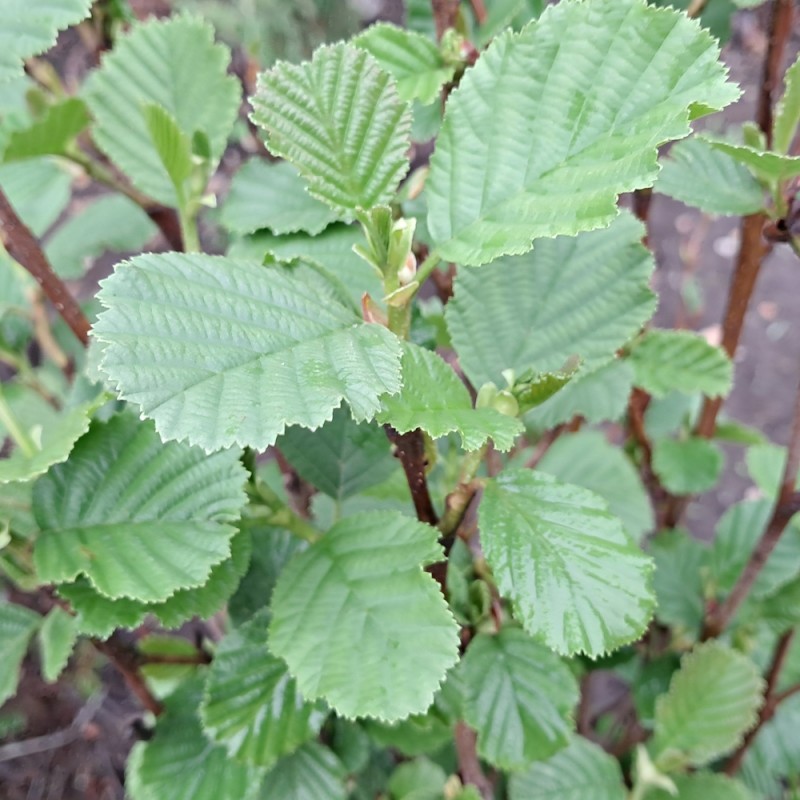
[(363, 639)]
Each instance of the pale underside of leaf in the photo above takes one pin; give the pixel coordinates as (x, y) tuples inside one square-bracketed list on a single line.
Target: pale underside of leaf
[(224, 352), (339, 120), (575, 578), (553, 128), (363, 582)]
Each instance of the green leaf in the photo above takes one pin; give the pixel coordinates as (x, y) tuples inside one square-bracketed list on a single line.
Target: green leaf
[(596, 396), (17, 626), (766, 463), (683, 361), (435, 400), (767, 165), (504, 13), (180, 763), (342, 458), (582, 771), (782, 610), (39, 190), (520, 698), (687, 466), (737, 535), (586, 296), (333, 248), (272, 550), (363, 582), (703, 786), (139, 518), (681, 562), (413, 60), (99, 615), (51, 134), (57, 637), (700, 175), (420, 779), (712, 700), (55, 435), (29, 29), (251, 704), (173, 64), (589, 460), (273, 196), (553, 129), (575, 578), (311, 773), (787, 111), (339, 120), (113, 223), (172, 145), (276, 347)]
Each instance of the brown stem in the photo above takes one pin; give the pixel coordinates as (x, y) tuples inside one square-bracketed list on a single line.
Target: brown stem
[(479, 9), (771, 701), (468, 763), (198, 658), (445, 13), (780, 29), (786, 507), (128, 661), (410, 449), (23, 247)]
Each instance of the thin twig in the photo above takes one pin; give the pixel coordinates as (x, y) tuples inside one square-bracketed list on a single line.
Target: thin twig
[(771, 701), (23, 247), (410, 449), (786, 507), (468, 763), (445, 13), (479, 10), (780, 29), (696, 8)]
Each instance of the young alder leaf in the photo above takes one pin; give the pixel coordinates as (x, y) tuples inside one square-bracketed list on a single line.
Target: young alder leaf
[(179, 762), (51, 134), (737, 534), (251, 704), (504, 13), (339, 120), (687, 466), (420, 779), (29, 29), (700, 175), (585, 295), (781, 611), (553, 128), (355, 609), (311, 773), (765, 464), (575, 578), (520, 697), (273, 196), (581, 771), (224, 352), (681, 562), (17, 626), (596, 396), (57, 636), (138, 518), (111, 223), (682, 361), (414, 61), (435, 400), (173, 146), (174, 64), (342, 458), (764, 164), (54, 437), (333, 249), (712, 701), (787, 112), (703, 786), (588, 459)]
